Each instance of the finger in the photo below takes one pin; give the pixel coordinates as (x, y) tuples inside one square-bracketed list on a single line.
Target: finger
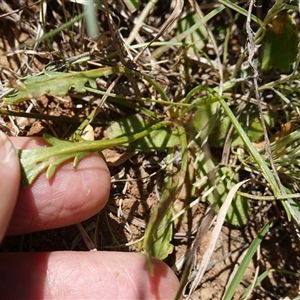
[(9, 183), (84, 275), (70, 196)]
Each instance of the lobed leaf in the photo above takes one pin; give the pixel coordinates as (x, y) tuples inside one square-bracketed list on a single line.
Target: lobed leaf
[(35, 161), (54, 84), (59, 83)]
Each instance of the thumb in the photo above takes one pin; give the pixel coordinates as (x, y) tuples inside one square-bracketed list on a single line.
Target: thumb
[(9, 183)]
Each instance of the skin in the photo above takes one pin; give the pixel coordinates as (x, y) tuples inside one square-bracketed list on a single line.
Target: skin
[(51, 204)]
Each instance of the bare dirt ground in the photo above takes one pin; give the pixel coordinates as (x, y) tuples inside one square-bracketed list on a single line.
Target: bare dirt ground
[(136, 176)]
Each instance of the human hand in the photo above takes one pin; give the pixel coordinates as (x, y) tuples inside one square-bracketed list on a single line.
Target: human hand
[(50, 204)]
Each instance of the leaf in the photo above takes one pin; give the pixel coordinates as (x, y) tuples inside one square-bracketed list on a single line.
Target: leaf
[(35, 161), (158, 139), (203, 121), (224, 179), (162, 246), (59, 83), (54, 84), (233, 285), (249, 121), (285, 130), (280, 45), (207, 122), (269, 176), (294, 209), (195, 40), (239, 210), (132, 5), (91, 20), (171, 190)]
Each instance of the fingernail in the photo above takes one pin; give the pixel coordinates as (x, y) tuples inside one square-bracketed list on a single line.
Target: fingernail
[(6, 148)]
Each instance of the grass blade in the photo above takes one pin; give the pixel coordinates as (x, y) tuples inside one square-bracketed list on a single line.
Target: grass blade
[(254, 153), (245, 262)]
